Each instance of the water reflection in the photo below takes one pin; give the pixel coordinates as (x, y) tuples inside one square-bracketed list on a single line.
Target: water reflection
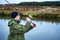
[(45, 31), (4, 30)]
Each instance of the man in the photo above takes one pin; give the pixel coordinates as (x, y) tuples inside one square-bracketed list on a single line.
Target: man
[(17, 30)]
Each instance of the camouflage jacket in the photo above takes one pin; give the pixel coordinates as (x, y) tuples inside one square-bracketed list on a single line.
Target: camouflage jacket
[(17, 30)]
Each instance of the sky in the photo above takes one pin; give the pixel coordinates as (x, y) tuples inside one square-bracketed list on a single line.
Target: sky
[(19, 1)]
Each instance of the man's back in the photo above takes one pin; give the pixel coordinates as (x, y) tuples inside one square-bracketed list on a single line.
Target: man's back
[(17, 30)]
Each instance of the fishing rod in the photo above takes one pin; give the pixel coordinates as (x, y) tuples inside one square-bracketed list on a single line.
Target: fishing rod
[(11, 5), (29, 16)]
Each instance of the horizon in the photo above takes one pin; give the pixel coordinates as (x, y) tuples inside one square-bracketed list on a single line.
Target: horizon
[(19, 1)]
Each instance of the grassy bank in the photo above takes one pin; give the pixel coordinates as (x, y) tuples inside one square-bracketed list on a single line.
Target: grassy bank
[(41, 15)]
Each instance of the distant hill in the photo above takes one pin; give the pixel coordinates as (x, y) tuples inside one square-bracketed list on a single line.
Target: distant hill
[(47, 3)]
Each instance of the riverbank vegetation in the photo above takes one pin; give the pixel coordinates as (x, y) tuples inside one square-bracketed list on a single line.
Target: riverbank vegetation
[(49, 9)]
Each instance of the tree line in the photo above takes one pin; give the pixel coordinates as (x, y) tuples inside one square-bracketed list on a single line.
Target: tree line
[(46, 3)]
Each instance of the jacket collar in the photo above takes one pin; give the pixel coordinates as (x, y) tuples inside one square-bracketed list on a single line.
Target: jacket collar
[(17, 21)]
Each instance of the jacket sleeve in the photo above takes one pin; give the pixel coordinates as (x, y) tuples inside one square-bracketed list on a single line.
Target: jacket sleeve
[(21, 28)]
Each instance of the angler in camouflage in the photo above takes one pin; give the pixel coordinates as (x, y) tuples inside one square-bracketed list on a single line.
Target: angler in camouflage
[(17, 30)]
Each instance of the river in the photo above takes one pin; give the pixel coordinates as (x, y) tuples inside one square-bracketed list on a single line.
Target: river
[(44, 30)]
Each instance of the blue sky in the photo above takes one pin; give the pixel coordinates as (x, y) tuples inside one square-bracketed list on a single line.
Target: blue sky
[(18, 1)]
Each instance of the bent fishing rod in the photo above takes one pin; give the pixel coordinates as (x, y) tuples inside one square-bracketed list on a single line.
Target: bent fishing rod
[(16, 10), (10, 5)]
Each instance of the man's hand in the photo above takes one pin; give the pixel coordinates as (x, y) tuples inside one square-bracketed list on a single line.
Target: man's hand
[(28, 19), (33, 25)]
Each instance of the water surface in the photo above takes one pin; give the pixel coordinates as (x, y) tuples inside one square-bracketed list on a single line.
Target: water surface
[(43, 31)]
